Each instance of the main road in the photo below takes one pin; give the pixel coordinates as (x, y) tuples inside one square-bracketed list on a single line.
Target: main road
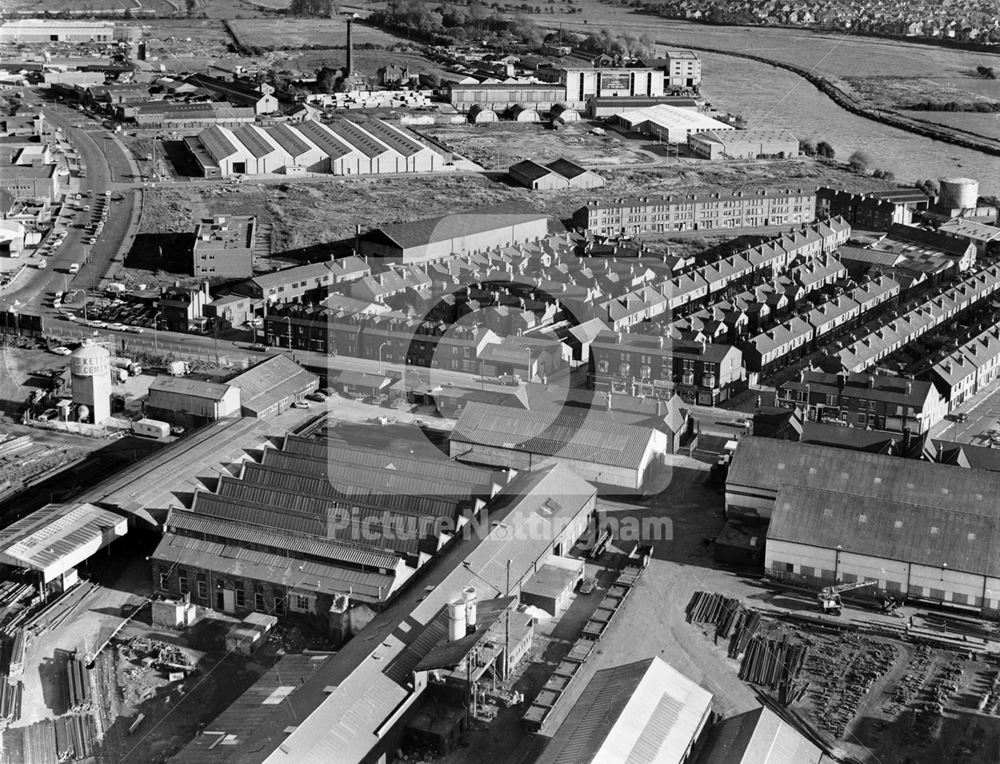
[(108, 168)]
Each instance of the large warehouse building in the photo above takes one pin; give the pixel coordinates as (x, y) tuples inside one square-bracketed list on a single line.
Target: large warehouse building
[(357, 705), (422, 241), (672, 124), (924, 531), (372, 147), (594, 444)]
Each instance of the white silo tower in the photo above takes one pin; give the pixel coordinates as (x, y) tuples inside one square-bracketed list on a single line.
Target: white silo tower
[(90, 367)]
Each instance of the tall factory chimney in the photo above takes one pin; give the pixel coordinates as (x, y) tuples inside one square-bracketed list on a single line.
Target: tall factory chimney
[(349, 64)]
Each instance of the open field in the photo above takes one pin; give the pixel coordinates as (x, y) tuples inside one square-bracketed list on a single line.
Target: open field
[(498, 146), (981, 124), (313, 218), (162, 7), (292, 33), (901, 92)]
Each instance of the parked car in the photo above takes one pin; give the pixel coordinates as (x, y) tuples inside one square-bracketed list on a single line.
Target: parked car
[(300, 405), (317, 396), (257, 347), (61, 350)]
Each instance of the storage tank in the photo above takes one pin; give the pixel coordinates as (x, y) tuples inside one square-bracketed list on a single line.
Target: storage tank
[(90, 371), (456, 620), (471, 605), (958, 193)]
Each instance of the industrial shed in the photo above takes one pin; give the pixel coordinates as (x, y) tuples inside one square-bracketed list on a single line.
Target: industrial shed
[(565, 114), (272, 386), (744, 144), (592, 443), (758, 737), (190, 402), (537, 177), (343, 147), (481, 115), (522, 113), (915, 549), (643, 711), (422, 241), (52, 541), (672, 124)]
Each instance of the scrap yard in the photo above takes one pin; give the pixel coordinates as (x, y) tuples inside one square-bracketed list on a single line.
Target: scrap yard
[(924, 684)]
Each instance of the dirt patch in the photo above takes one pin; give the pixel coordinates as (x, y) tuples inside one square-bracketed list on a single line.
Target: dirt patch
[(498, 146)]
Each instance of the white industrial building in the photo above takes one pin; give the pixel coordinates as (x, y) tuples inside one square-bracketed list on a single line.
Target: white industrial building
[(340, 148), (744, 144), (645, 711), (672, 124), (924, 531)]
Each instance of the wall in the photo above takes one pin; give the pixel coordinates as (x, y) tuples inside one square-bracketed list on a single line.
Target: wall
[(934, 583)]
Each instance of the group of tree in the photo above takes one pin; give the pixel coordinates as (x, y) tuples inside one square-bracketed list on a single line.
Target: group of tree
[(620, 45), (821, 149), (983, 107), (986, 71), (447, 22), (324, 8), (929, 187)]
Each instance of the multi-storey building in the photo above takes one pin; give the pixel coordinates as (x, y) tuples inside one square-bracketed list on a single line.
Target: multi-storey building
[(660, 366), (693, 212), (223, 246), (880, 401)]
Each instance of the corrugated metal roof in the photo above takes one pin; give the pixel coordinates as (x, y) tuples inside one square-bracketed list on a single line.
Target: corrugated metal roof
[(639, 713), (289, 140), (55, 532), (271, 381), (759, 737), (263, 566), (253, 139), (374, 479), (217, 143), (361, 140), (327, 142), (393, 137), (420, 232), (349, 494), (315, 532), (892, 530), (195, 388), (367, 676), (766, 464), (591, 437), (441, 468)]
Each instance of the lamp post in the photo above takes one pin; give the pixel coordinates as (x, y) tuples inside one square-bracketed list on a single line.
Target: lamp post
[(380, 356), (289, 320), (836, 564), (156, 319)]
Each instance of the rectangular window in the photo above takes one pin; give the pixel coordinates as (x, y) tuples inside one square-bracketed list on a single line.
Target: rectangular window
[(258, 602), (279, 605), (937, 594), (241, 598), (203, 590), (164, 580), (808, 570), (302, 603), (960, 599), (182, 584)]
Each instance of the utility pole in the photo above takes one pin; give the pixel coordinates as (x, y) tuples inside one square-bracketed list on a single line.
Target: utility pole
[(506, 661)]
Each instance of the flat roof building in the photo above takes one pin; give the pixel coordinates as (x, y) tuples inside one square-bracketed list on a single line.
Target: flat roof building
[(188, 402), (223, 246), (669, 123), (744, 144)]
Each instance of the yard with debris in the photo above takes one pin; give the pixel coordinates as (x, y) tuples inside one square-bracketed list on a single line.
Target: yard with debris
[(497, 146)]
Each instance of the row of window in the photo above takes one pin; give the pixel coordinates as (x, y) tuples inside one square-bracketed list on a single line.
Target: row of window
[(298, 602)]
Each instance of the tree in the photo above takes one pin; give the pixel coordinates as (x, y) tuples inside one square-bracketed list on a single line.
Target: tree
[(825, 150), (860, 161), (807, 147), (326, 79)]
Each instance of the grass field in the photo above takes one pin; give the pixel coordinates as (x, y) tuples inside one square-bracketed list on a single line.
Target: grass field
[(162, 7), (900, 92), (291, 34)]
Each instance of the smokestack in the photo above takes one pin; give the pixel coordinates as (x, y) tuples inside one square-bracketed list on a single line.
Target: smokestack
[(349, 63)]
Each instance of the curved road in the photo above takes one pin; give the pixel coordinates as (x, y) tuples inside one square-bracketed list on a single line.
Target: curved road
[(108, 168)]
